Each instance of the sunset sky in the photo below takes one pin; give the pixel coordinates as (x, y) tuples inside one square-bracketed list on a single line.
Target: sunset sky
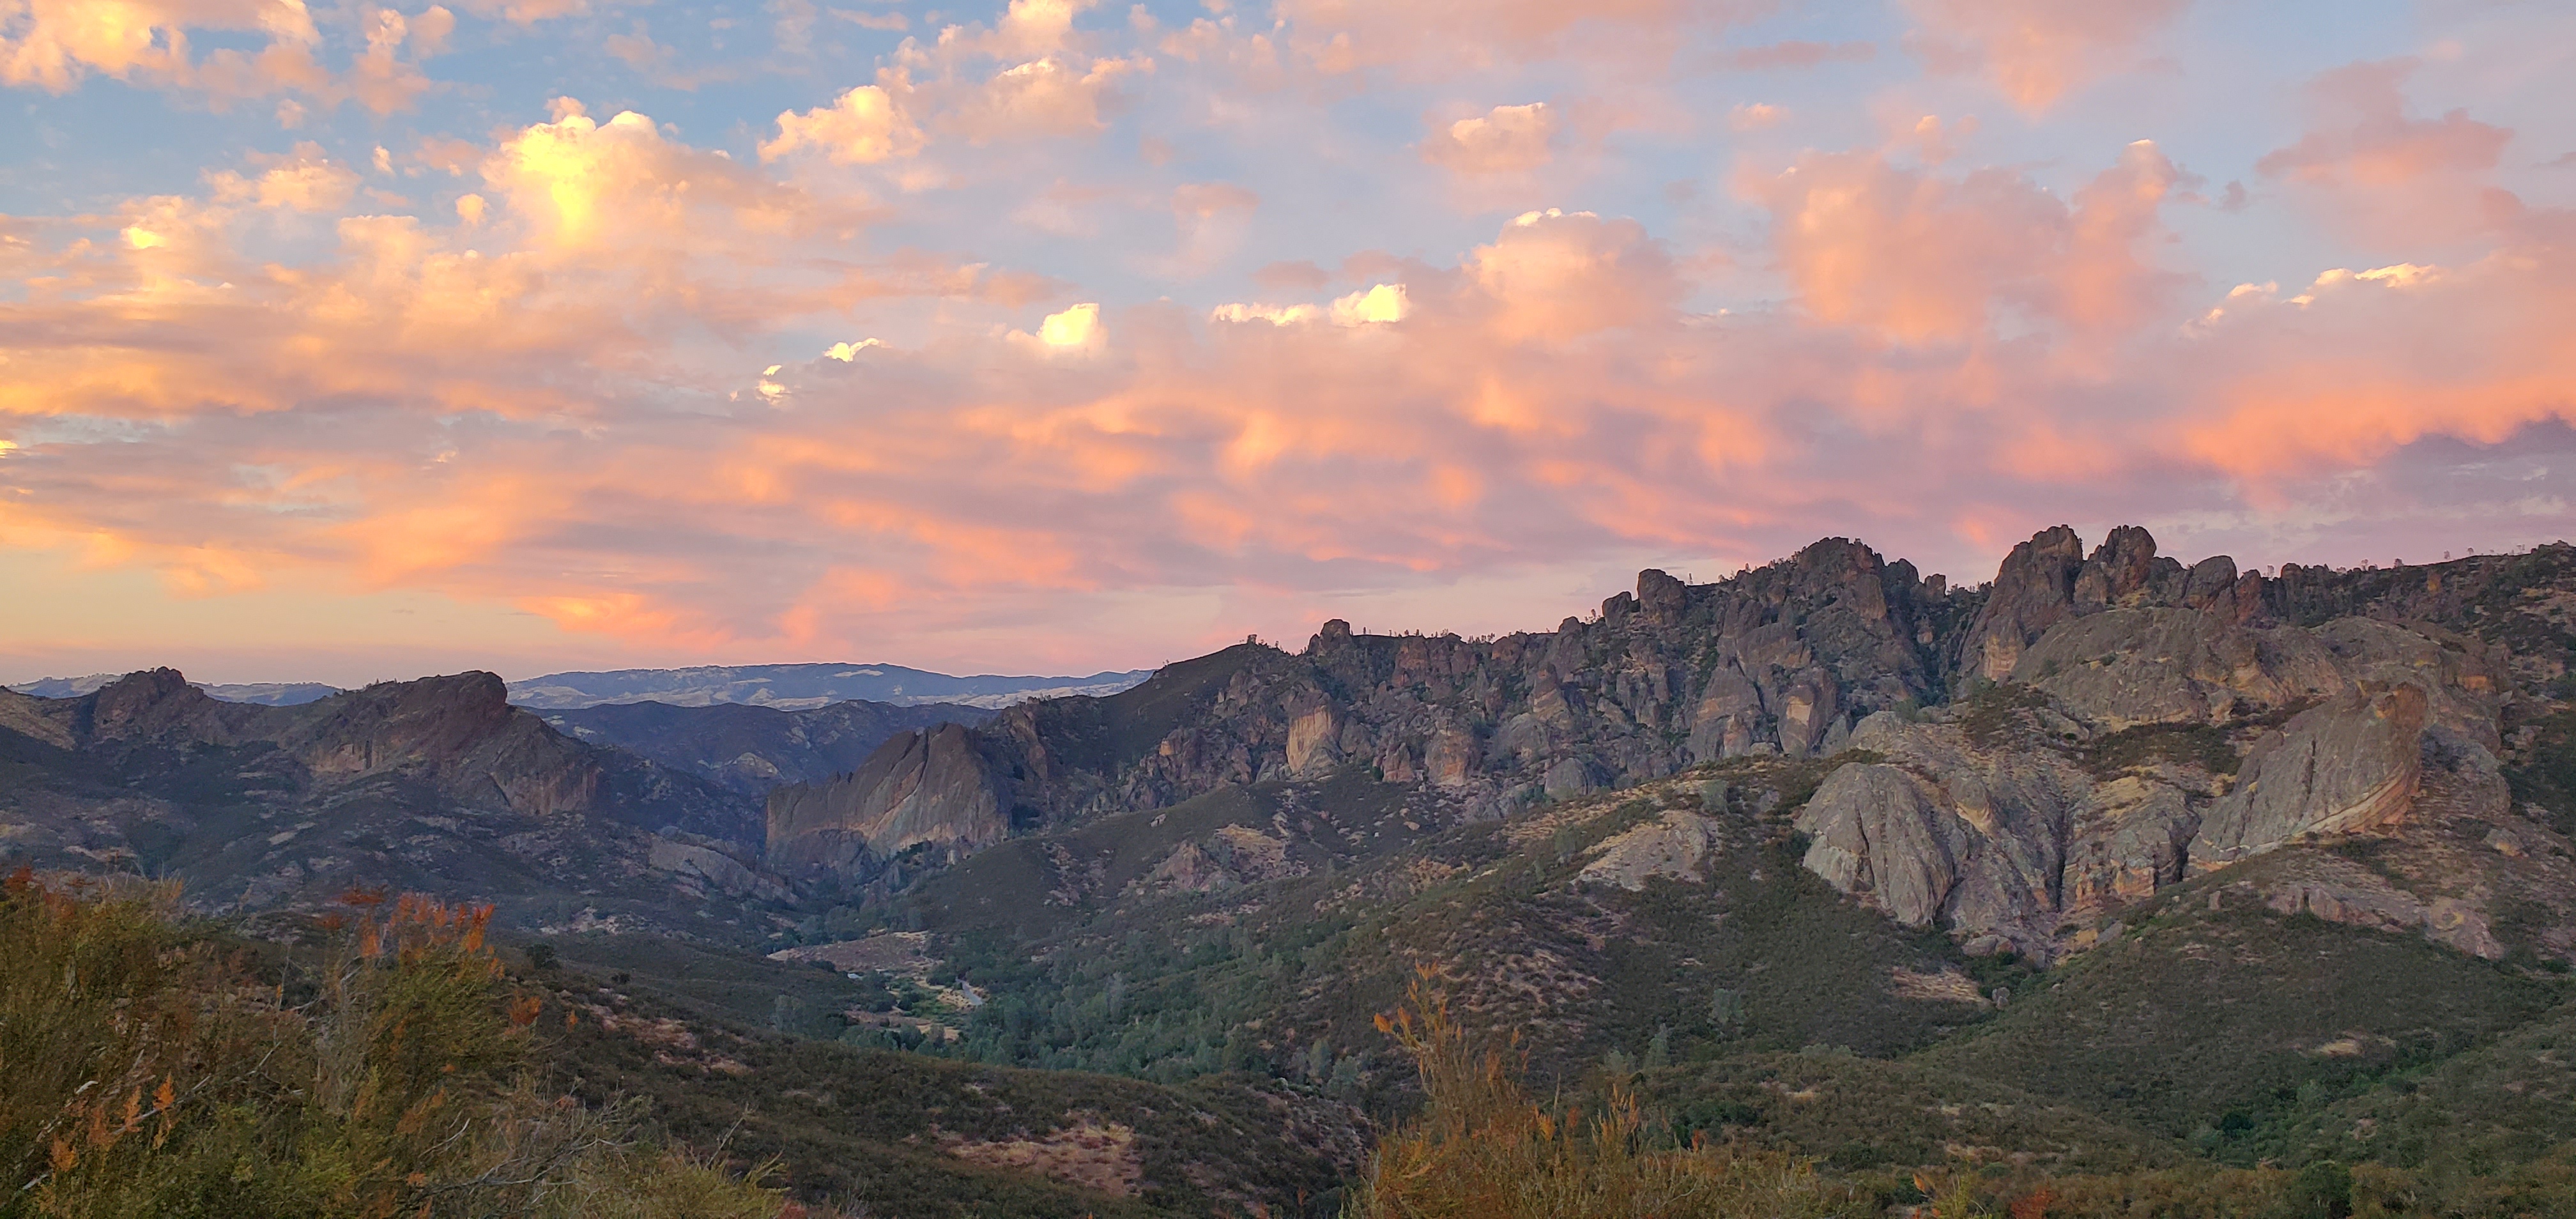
[(341, 341)]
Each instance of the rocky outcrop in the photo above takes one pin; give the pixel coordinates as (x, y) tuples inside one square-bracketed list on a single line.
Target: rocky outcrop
[(1881, 834), (931, 787), (2127, 838), (1671, 846), (2054, 812), (714, 869), (2165, 664), (2349, 765), (437, 784), (2033, 590)]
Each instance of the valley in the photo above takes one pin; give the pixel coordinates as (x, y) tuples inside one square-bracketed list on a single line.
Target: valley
[(2109, 874)]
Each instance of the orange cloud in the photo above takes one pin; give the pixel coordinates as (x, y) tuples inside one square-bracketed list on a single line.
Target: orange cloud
[(1923, 258), (2371, 169), (862, 126), (1556, 276), (1504, 140), (55, 44), (2362, 363), (2036, 51)]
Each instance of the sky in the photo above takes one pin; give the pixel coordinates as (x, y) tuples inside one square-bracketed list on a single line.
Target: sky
[(341, 341)]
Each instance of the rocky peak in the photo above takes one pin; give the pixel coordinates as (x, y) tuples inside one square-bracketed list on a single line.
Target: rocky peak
[(1661, 598), (2032, 590), (2123, 570), (151, 704), (919, 787)]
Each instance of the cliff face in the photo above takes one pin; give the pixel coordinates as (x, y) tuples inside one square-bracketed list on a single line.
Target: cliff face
[(932, 787), (2040, 752), (1783, 660), (2172, 722)]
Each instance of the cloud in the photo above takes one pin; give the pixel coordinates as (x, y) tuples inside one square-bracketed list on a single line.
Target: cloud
[(2375, 171), (1797, 54), (1033, 100), (2036, 51), (1555, 276), (1444, 37), (54, 45), (860, 127), (1755, 116), (306, 181), (1504, 140), (1923, 258)]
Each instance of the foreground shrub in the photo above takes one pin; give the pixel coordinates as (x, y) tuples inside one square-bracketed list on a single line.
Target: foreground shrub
[(1482, 1148), (148, 1072)]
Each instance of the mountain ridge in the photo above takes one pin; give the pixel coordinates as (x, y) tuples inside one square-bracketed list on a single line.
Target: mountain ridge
[(801, 686)]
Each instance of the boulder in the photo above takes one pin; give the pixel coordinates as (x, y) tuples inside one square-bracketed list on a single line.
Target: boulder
[(2130, 837), (1670, 846), (1877, 832), (2347, 765)]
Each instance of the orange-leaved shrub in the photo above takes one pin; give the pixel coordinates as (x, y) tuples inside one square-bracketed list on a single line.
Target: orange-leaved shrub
[(145, 1070), (1483, 1148)]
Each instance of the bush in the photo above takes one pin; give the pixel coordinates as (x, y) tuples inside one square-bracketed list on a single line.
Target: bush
[(152, 1073), (1482, 1148)]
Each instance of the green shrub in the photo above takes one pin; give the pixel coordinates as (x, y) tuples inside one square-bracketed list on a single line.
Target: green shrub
[(151, 1073)]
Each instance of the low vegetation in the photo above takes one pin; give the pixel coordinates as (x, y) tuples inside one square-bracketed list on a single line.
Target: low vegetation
[(152, 1072), (1483, 1148)]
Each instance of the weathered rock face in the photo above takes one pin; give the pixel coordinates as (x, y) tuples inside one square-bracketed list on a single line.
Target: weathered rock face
[(2349, 765), (921, 787), (2034, 590), (2021, 832), (2154, 665), (1672, 846), (2128, 838), (1880, 834)]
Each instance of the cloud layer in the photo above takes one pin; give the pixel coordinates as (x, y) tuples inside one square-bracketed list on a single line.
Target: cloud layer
[(1066, 337)]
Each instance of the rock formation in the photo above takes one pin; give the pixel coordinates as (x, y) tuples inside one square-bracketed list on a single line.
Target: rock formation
[(931, 787)]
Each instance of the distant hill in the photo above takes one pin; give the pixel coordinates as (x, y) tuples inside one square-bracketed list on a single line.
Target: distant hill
[(794, 687), (436, 785), (752, 749), (264, 693)]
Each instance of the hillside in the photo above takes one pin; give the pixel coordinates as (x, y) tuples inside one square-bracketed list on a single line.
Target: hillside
[(750, 749), (2111, 870), (436, 786), (800, 686)]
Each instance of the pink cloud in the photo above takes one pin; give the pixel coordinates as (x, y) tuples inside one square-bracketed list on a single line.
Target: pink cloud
[(56, 44), (1924, 258), (1504, 140), (561, 409), (2373, 170), (2036, 51)]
